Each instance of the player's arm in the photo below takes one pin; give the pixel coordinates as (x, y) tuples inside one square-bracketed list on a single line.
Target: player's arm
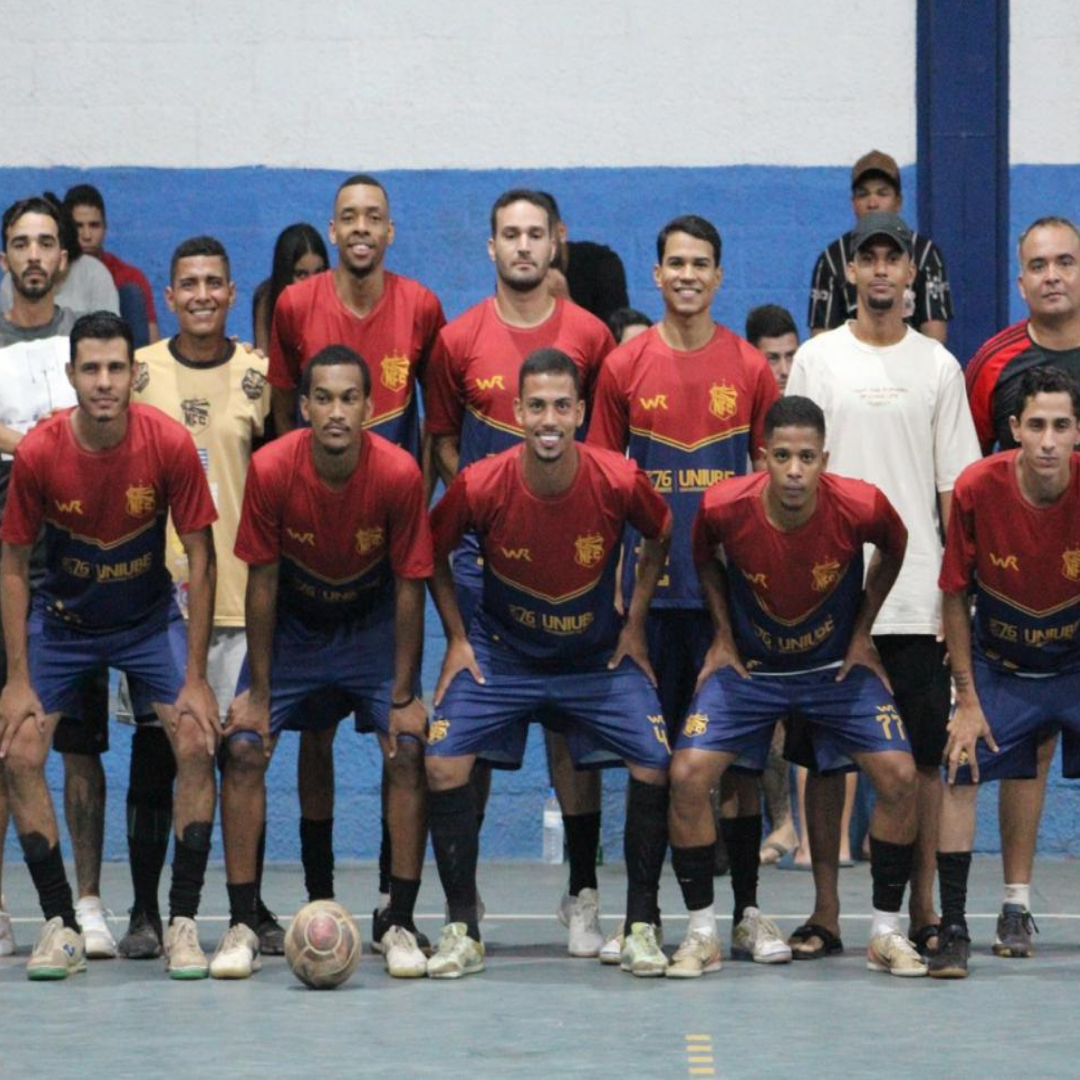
[(968, 724), (881, 575), (447, 453), (283, 406), (284, 367), (9, 439), (18, 702), (632, 640), (407, 713), (196, 698), (722, 652)]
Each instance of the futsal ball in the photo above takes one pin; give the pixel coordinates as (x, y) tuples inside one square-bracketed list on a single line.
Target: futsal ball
[(322, 945)]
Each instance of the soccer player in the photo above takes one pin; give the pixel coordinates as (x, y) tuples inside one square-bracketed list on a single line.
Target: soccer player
[(100, 478), (780, 556), (898, 418), (687, 399), (335, 533), (927, 300), (471, 389), (546, 643), (1014, 539)]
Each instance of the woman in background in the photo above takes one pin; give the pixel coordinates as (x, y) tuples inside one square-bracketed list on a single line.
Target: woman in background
[(299, 252)]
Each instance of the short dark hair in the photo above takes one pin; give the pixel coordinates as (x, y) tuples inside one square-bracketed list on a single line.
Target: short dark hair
[(794, 411), (35, 204), (361, 179), (1050, 221), (209, 246), (537, 198), (1046, 379), (101, 326), (623, 317), (769, 320), (549, 362), (554, 204), (692, 225), (335, 356), (84, 195)]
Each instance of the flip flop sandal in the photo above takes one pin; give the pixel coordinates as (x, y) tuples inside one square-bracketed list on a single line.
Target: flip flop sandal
[(830, 942)]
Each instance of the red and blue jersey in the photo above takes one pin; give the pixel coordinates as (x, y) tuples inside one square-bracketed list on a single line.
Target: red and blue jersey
[(549, 561), (104, 513), (1024, 562), (793, 595), (339, 549), (688, 419)]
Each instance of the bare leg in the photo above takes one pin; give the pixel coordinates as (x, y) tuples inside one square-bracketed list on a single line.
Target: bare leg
[(406, 809), (315, 774), (243, 807), (84, 811), (776, 786), (1020, 806), (924, 870), (3, 824), (804, 856), (824, 807), (851, 784), (579, 791)]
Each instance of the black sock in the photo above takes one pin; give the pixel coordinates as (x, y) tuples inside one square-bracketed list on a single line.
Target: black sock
[(317, 855), (742, 836), (260, 862), (582, 832), (384, 858), (403, 895), (890, 871), (190, 855), (149, 813), (47, 872), (242, 904), (644, 848), (953, 868), (454, 836), (693, 868)]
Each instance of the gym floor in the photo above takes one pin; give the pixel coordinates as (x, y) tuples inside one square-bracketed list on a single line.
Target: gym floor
[(536, 1011)]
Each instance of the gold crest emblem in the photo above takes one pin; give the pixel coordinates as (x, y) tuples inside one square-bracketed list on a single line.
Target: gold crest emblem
[(723, 401), (589, 549), (369, 539), (141, 500), (141, 376), (696, 724), (252, 384), (437, 731), (825, 575), (395, 372), (1070, 563)]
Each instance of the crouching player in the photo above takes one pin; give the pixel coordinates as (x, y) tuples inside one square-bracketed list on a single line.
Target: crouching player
[(546, 643), (780, 556), (335, 533), (1014, 535)]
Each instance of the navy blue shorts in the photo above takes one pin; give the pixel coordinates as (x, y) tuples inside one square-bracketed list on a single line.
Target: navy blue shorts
[(606, 716), (678, 640), (737, 716), (1022, 712)]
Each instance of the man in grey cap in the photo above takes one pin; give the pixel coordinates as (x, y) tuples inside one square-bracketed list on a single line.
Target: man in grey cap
[(875, 188), (897, 416)]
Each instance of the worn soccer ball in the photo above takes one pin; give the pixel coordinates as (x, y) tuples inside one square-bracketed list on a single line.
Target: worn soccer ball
[(322, 945)]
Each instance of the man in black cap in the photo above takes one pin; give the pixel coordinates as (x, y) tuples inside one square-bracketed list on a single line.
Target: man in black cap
[(875, 188)]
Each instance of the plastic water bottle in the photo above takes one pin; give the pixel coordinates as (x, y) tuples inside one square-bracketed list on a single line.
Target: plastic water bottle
[(553, 830)]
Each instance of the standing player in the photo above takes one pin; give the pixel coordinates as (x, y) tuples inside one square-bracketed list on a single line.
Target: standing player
[(334, 531), (470, 415), (546, 643), (898, 417), (687, 399), (780, 557), (1014, 537), (392, 322), (101, 478)]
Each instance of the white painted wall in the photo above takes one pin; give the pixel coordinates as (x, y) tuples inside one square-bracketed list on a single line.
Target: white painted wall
[(447, 83)]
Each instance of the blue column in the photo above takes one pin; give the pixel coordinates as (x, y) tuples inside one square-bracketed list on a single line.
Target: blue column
[(962, 90)]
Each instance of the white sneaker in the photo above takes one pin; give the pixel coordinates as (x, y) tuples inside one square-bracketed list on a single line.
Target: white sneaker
[(184, 958), (93, 919), (7, 935), (893, 953), (611, 950), (402, 955), (57, 954), (237, 955), (581, 915), (698, 954), (457, 954), (759, 939), (641, 952)]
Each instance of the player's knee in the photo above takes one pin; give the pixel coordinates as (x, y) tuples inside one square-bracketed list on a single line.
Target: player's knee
[(897, 782), (406, 767), (691, 780), (446, 773), (27, 753), (244, 759)]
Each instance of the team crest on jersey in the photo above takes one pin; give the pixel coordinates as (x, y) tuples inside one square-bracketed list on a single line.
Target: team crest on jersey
[(437, 731), (252, 384), (723, 401), (1070, 563), (369, 539), (140, 376), (588, 549), (395, 372), (196, 413), (695, 724), (825, 575), (141, 500)]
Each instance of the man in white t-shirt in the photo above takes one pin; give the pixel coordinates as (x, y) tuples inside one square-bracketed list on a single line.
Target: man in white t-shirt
[(897, 416)]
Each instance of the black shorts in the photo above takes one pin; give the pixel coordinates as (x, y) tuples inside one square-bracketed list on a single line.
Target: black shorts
[(87, 733)]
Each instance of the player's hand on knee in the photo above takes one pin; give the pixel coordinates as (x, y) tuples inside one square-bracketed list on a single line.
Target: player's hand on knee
[(459, 657), (18, 703), (410, 719), (249, 714), (863, 652), (967, 726), (722, 654), (632, 644), (197, 701)]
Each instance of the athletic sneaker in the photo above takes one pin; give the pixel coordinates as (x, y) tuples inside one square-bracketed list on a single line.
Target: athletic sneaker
[(184, 958), (698, 954), (581, 915), (611, 951), (891, 952), (7, 935), (58, 952), (237, 955), (270, 932), (641, 953), (1015, 927), (402, 955), (380, 924), (457, 954), (759, 939), (97, 937), (951, 959), (143, 938)]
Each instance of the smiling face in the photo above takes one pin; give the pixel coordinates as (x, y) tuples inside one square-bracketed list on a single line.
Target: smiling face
[(200, 296), (361, 229), (688, 275), (549, 412), (1050, 273)]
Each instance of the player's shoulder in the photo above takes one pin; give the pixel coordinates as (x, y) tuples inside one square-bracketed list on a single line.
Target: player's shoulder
[(850, 493), (615, 467), (736, 345), (626, 357), (1000, 348), (306, 295), (281, 454), (44, 438), (158, 354), (411, 290), (151, 423), (389, 458), (582, 320), (992, 472), (464, 327), (732, 494), (252, 366)]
